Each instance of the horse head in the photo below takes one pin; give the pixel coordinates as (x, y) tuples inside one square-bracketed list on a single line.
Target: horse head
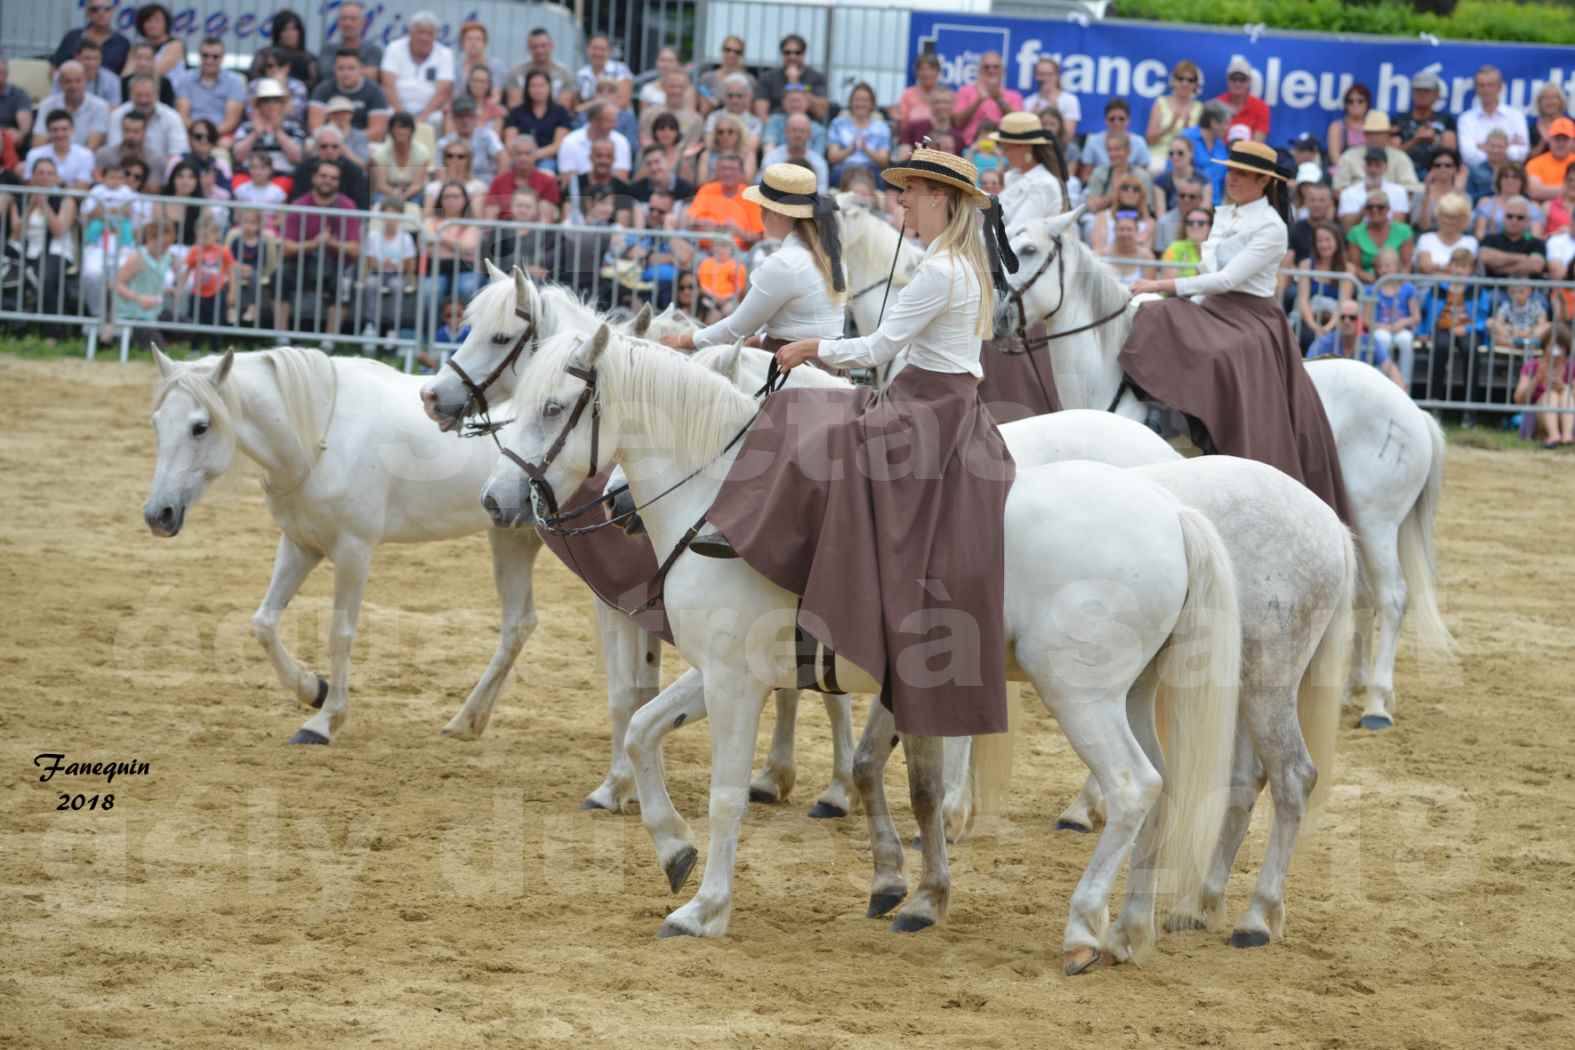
[(194, 429), (504, 316), (1041, 245)]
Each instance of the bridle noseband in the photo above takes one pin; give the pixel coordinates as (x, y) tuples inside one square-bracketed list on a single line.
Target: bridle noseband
[(477, 400)]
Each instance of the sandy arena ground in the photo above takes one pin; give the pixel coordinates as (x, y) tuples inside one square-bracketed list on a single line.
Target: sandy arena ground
[(404, 889)]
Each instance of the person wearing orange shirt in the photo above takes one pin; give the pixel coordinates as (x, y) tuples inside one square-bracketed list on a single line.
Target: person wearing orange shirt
[(723, 277), (720, 205), (1547, 169)]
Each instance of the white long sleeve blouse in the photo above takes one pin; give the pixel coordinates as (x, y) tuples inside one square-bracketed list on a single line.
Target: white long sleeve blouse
[(1242, 254), (1031, 194), (787, 297), (936, 317)]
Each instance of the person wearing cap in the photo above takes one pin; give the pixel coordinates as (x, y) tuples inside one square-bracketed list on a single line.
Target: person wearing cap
[(1375, 179), (340, 114), (884, 512), (1546, 170), (1305, 150), (269, 130), (1035, 173), (369, 108), (1398, 167), (1488, 113), (1425, 127), (1245, 107), (1229, 361)]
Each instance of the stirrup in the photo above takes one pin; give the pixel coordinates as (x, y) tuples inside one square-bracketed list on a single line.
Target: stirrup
[(712, 544)]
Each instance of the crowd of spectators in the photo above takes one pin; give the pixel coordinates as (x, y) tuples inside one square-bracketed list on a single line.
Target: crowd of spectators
[(1392, 210)]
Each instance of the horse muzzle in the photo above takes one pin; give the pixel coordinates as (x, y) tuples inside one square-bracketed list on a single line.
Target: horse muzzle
[(508, 510), (164, 521)]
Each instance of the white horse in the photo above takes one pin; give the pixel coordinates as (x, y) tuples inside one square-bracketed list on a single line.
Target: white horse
[(1391, 452), (1101, 569), (512, 312), (349, 464), (1295, 568)]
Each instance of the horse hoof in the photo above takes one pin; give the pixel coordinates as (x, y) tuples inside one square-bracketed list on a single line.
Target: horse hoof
[(881, 903), (591, 803), (1080, 960), (762, 795), (1376, 722), (322, 694), (308, 736), (673, 930), (1072, 825), (679, 867), (910, 923), (1249, 939), (826, 811)]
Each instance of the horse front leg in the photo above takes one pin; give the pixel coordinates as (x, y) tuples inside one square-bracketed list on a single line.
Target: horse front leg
[(925, 789), (292, 564), (513, 565), (633, 661), (681, 703), (352, 565), (775, 781), (888, 886), (837, 800)]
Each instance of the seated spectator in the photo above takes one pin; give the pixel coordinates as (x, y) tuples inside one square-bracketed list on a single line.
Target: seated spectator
[(1241, 105), (737, 101), (986, 99), (1435, 248), (1454, 314), (400, 164), (484, 146), (1180, 169), (1318, 298), (1305, 150), (165, 131), (722, 277), (261, 186), (720, 205), (795, 69), (560, 81), (1377, 232), (1171, 226), (210, 92), (651, 93), (287, 39), (574, 155), (728, 137), (206, 274), (369, 109), (132, 145), (544, 120), (1393, 315), (1102, 184), (1547, 109), (276, 67), (912, 114), (1353, 162), (327, 147), (1442, 180), (144, 62), (1174, 113), (418, 72), (1208, 144), (339, 114), (388, 270), (1048, 95), (1520, 322), (318, 248), (257, 254), (1547, 381), (1071, 153), (1427, 127), (521, 173), (1188, 249), (985, 153), (1562, 208), (602, 180), (473, 41), (89, 114), (1509, 182), (1317, 208), (73, 163), (453, 248), (1547, 168), (269, 131), (599, 66), (101, 83), (141, 281), (99, 32), (1350, 131), (1118, 119), (1348, 340), (1130, 198), (656, 176), (584, 247), (795, 101), (800, 132), (210, 188), (534, 250), (351, 23), (677, 93), (1561, 250), (1353, 198), (1516, 252), (858, 137), (481, 89), (1482, 177), (710, 83), (1126, 248)]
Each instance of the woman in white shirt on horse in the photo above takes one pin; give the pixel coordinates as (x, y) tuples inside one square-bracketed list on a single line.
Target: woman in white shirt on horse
[(1229, 360)]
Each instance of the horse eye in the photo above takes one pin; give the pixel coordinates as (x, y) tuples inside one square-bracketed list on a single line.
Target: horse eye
[(551, 409), (1027, 251), (198, 429), (501, 339)]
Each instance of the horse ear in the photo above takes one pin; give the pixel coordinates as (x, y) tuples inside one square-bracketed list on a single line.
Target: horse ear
[(728, 365), (598, 345), (225, 364), (521, 287), (166, 366), (642, 322), (1058, 223), (493, 273)]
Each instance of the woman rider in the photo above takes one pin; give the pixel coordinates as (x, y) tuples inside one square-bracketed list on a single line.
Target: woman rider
[(1018, 378), (1229, 360), (885, 512)]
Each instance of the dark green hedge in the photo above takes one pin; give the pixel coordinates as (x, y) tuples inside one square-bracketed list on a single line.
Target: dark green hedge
[(1472, 19)]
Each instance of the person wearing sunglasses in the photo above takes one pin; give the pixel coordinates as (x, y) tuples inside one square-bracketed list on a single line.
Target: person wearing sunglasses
[(1375, 179), (1514, 251), (1350, 130), (100, 32), (712, 81), (795, 69), (1245, 107), (1425, 127), (1048, 95), (210, 92), (1348, 339), (1379, 229), (986, 99), (1176, 112)]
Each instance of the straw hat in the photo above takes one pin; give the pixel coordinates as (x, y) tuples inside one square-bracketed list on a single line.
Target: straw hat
[(1021, 129), (786, 189), (1376, 120), (1256, 157), (267, 87), (945, 168)]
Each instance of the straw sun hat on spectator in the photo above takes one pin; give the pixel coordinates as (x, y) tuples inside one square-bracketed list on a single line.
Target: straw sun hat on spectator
[(267, 87), (339, 104), (1376, 120), (946, 168), (786, 189)]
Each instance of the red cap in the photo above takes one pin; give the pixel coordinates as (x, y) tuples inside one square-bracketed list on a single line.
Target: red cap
[(1562, 126)]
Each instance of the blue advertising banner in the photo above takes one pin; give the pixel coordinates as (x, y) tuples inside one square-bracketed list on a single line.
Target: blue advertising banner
[(1302, 77)]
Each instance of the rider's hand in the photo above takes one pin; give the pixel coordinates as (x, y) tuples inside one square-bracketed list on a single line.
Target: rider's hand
[(796, 353)]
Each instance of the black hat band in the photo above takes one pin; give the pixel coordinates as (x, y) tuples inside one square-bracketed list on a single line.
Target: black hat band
[(1251, 160), (773, 194)]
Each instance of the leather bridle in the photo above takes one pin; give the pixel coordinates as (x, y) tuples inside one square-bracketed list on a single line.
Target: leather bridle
[(477, 400)]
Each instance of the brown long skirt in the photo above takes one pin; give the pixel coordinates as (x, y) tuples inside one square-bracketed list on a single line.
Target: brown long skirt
[(1232, 363), (1018, 384), (885, 515)]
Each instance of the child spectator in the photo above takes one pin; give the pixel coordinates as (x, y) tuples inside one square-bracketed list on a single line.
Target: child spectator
[(984, 153), (1189, 247), (256, 254), (1318, 298), (209, 266), (453, 331), (722, 277), (1394, 315), (991, 182), (261, 189), (107, 233), (388, 266), (1455, 315), (1521, 321), (139, 286), (1548, 380)]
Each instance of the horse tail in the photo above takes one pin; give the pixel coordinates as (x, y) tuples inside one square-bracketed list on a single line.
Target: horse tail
[(1199, 680), (1323, 687), (1418, 558), (992, 762)]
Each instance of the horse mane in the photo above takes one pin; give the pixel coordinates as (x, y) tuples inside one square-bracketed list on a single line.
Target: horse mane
[(872, 253), (674, 403), (1104, 289), (493, 306), (304, 380)]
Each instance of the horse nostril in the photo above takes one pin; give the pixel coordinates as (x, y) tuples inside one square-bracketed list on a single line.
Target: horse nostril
[(167, 516), (490, 504)]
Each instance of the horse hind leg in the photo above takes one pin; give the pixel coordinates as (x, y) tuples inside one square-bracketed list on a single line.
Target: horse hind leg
[(1085, 810), (840, 795), (1388, 591), (925, 788), (292, 564), (352, 565), (633, 661), (1205, 911), (775, 780), (513, 564), (888, 886)]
